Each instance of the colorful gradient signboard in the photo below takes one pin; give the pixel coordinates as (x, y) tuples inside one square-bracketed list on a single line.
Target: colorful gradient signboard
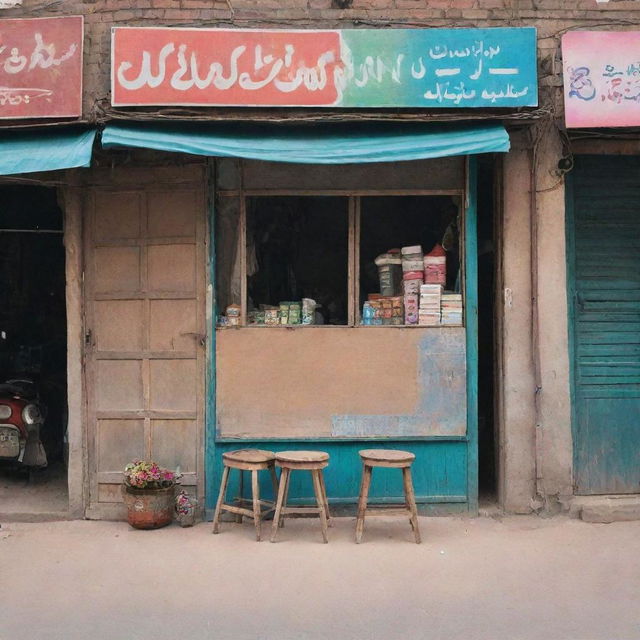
[(41, 67), (601, 78), (454, 68)]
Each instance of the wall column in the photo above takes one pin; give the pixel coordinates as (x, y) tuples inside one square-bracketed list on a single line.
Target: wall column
[(516, 376)]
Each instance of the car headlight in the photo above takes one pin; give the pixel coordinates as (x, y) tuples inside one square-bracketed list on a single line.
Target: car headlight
[(31, 414), (5, 411)]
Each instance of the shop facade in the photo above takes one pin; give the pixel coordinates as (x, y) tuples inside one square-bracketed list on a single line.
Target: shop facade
[(163, 236)]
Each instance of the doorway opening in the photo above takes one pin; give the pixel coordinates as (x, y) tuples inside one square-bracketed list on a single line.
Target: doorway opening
[(487, 479), (33, 353)]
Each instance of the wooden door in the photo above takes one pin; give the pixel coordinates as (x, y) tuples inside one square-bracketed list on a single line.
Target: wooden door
[(145, 328), (604, 252)]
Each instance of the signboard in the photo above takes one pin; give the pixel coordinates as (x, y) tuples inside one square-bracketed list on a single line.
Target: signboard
[(7, 4), (601, 78), (41, 67), (335, 68)]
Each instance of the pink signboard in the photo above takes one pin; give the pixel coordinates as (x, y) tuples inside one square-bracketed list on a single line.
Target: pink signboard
[(601, 78), (41, 67)]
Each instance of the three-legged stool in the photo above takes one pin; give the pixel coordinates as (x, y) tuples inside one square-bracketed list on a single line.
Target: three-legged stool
[(253, 460), (397, 460), (314, 461)]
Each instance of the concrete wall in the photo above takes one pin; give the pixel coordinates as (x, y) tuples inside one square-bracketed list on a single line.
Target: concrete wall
[(535, 438), (516, 382), (551, 17)]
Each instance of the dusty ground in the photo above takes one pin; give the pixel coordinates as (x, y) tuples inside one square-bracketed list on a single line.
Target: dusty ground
[(45, 496), (515, 578)]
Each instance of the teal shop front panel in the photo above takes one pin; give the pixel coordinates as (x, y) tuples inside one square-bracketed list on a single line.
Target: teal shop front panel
[(439, 472), (603, 230)]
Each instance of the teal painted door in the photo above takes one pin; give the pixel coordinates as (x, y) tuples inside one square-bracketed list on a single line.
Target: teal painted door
[(604, 287)]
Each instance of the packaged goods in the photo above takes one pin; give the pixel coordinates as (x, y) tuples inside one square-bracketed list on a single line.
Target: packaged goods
[(430, 300), (308, 311), (451, 308), (412, 253), (411, 304), (411, 282), (376, 305), (412, 265), (295, 313), (284, 313), (435, 266), (272, 316), (233, 311), (368, 314), (389, 272)]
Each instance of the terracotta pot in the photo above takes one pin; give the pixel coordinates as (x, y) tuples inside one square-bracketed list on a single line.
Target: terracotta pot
[(149, 508)]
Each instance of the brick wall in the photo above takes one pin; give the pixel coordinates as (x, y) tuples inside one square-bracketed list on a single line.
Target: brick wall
[(551, 17)]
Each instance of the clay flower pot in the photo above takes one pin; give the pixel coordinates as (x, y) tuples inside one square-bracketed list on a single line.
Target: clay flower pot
[(149, 508)]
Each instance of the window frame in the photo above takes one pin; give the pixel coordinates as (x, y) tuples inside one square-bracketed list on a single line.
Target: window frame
[(354, 228)]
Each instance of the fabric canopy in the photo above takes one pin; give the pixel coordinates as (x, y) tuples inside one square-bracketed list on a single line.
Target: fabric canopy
[(45, 150), (313, 144)]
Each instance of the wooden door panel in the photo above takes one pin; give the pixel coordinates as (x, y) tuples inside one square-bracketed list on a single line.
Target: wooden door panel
[(170, 214), (173, 385), (119, 325), (173, 326), (174, 442), (117, 270), (119, 385), (172, 268), (118, 216), (145, 318), (119, 442)]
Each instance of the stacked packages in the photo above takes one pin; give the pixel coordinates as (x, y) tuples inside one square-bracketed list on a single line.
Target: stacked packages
[(430, 299), (451, 308), (412, 279)]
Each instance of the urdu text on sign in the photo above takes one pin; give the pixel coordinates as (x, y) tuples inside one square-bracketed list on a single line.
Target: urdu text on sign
[(601, 78), (439, 68), (41, 67)]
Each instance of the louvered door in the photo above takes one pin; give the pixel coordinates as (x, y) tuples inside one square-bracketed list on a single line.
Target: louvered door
[(605, 249)]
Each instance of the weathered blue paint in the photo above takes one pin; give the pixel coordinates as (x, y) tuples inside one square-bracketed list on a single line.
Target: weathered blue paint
[(439, 475), (446, 470), (603, 272), (442, 407), (471, 323), (211, 479)]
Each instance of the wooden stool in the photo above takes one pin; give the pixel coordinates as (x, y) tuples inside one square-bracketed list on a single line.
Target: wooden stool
[(396, 460), (314, 461), (253, 460)]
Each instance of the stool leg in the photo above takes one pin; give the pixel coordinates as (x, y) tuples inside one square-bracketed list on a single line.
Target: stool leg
[(324, 495), (274, 483), (255, 493), (240, 502), (410, 497), (223, 490), (362, 502), (287, 481), (317, 488), (284, 476)]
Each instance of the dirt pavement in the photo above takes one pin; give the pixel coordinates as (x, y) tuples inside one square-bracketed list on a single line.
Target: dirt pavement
[(515, 578)]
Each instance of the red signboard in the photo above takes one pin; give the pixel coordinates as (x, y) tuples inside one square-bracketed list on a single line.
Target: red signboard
[(41, 67), (163, 66)]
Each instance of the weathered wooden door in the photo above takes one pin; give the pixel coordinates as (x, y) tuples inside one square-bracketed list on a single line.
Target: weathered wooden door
[(145, 327), (604, 270)]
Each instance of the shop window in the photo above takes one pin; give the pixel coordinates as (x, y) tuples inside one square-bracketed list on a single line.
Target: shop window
[(314, 260), (297, 260)]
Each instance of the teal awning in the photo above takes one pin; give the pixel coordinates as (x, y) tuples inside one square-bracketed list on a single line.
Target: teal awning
[(313, 144), (44, 150)]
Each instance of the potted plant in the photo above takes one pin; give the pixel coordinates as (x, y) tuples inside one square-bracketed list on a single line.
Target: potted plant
[(149, 493), (185, 509)]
